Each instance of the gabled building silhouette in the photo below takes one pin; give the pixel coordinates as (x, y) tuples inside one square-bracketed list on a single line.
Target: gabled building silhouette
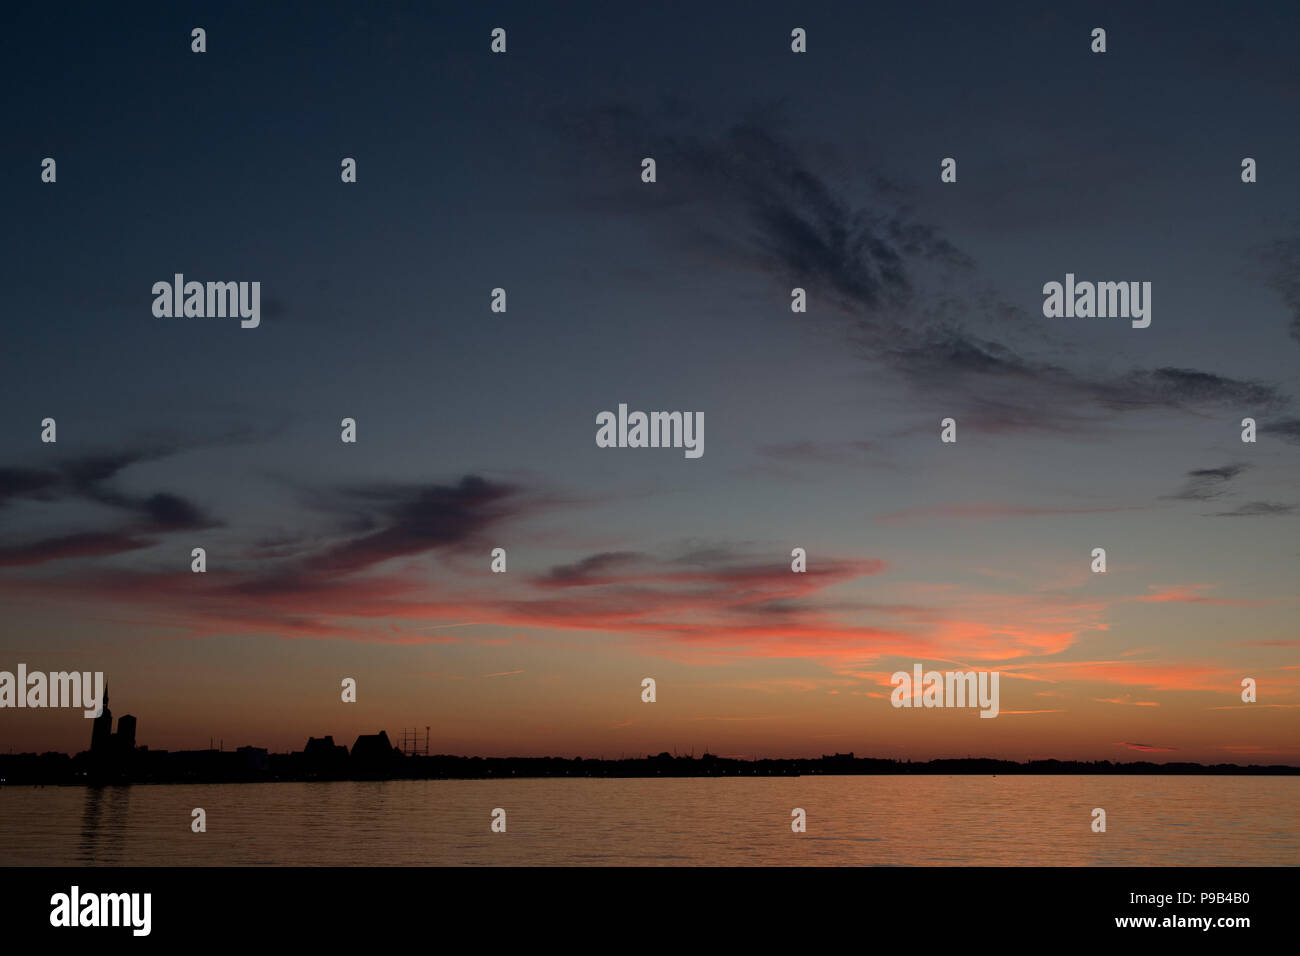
[(254, 759), (374, 752), (323, 757)]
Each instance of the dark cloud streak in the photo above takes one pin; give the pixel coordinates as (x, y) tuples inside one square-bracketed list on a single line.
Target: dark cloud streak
[(754, 193), (1206, 483)]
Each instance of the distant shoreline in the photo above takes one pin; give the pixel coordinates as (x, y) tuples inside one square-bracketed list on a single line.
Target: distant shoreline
[(250, 765)]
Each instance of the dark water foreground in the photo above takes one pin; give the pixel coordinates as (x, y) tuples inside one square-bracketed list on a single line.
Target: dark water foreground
[(927, 820)]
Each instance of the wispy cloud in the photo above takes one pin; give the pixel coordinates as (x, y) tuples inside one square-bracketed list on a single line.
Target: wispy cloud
[(1258, 509), (1126, 700), (987, 511), (886, 276), (1188, 594), (1205, 483), (142, 519), (1288, 429), (1282, 260)]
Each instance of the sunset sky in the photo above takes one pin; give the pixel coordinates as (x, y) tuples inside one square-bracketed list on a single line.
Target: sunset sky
[(476, 430)]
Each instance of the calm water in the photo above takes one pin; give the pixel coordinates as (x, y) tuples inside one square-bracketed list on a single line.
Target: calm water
[(937, 821)]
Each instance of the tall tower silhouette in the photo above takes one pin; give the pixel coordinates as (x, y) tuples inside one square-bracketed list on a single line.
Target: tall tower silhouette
[(101, 734), (124, 739)]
